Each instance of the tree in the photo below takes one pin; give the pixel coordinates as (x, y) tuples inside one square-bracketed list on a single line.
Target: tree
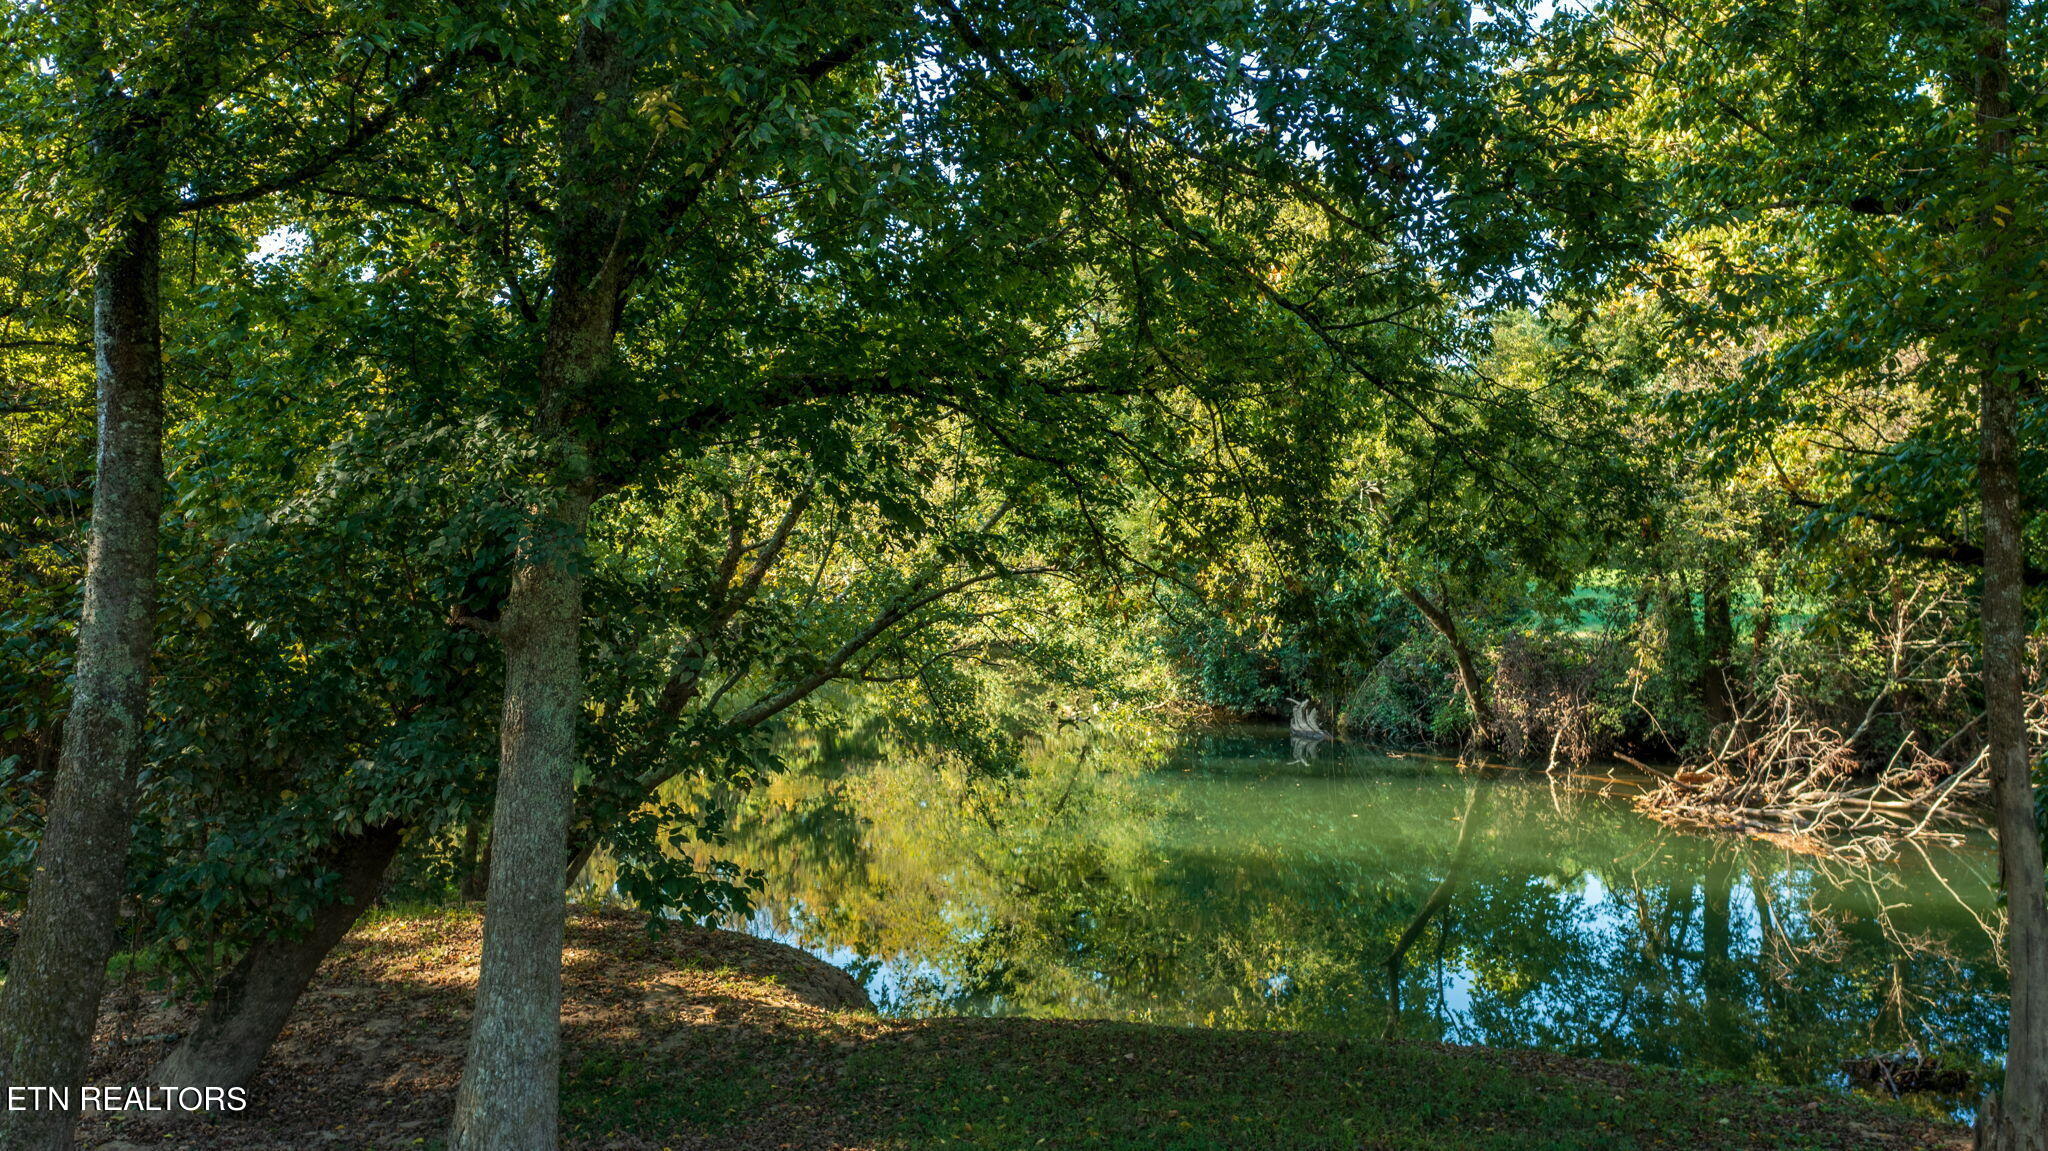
[(1000, 221), (1084, 232), (1865, 197), (138, 91), (2018, 1121)]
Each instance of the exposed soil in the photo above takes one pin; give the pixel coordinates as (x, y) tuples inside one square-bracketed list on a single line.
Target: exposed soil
[(374, 1051)]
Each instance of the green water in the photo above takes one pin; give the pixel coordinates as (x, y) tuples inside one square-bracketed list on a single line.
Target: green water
[(1219, 879)]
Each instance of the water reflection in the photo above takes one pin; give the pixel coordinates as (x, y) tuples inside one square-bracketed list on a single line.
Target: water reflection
[(1225, 880)]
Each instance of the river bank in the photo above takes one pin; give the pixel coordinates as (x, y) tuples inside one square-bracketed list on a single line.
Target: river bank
[(1218, 879), (706, 1040)]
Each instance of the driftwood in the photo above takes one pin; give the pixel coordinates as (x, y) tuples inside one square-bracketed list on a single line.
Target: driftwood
[(1861, 788), (1777, 774), (1306, 722)]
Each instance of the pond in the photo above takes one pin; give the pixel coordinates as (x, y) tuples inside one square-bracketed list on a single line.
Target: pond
[(1230, 878)]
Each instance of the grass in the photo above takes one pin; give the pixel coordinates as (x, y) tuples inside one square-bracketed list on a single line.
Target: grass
[(1013, 1083), (702, 1041)]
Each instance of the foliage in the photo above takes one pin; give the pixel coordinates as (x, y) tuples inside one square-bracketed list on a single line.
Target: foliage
[(946, 378)]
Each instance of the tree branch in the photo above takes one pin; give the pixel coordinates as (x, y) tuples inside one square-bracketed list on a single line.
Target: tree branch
[(314, 168)]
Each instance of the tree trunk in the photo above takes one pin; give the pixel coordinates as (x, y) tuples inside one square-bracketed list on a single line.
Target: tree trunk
[(2020, 1119), (1468, 669), (581, 848), (1766, 618), (507, 1101), (476, 865), (2017, 1121), (67, 934), (253, 1000)]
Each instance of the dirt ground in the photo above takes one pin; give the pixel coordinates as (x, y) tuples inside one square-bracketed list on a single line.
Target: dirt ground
[(374, 1051)]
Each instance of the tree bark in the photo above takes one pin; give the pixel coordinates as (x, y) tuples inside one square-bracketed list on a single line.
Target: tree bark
[(1468, 669), (253, 1000), (52, 994), (507, 1101), (2018, 1119), (508, 1096)]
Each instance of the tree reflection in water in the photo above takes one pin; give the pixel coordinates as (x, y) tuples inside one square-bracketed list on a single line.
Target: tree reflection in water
[(1225, 880)]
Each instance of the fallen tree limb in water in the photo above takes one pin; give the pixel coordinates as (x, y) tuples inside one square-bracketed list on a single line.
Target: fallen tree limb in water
[(1779, 776), (1865, 782)]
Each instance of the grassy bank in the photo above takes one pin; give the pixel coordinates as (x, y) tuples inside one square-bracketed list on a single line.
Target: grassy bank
[(702, 1040)]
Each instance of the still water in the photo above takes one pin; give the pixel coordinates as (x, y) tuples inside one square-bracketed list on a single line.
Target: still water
[(1229, 878)]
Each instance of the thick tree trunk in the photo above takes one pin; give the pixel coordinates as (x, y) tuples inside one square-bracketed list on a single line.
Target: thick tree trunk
[(508, 1095), (507, 1101), (253, 1000), (2018, 1120), (67, 934), (1469, 680)]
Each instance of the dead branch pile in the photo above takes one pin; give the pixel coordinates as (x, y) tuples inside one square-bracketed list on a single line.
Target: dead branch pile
[(1778, 771), (1543, 701)]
